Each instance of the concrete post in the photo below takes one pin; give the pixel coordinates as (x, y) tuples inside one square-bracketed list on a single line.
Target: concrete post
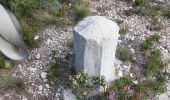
[(95, 41)]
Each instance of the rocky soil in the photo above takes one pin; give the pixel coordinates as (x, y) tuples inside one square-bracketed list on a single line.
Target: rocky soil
[(53, 43)]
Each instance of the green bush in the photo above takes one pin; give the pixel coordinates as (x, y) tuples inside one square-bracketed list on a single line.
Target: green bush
[(167, 13), (6, 3), (125, 54), (54, 71), (119, 22), (2, 63), (119, 86), (70, 43), (149, 42), (154, 64), (123, 31), (29, 32), (24, 8), (81, 84), (141, 2), (7, 82), (81, 11)]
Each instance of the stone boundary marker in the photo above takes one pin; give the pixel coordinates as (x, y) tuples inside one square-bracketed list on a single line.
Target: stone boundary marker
[(95, 41)]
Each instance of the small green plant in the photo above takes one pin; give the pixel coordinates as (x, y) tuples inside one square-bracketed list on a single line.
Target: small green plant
[(157, 25), (130, 12), (102, 10), (149, 42), (54, 71), (119, 21), (70, 43), (2, 63), (167, 13), (19, 85), (154, 65), (29, 32), (157, 8), (7, 82), (122, 87), (123, 31), (24, 8), (81, 11), (125, 54), (141, 2), (81, 84)]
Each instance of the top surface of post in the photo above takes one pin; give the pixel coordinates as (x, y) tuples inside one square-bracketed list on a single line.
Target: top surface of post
[(96, 27)]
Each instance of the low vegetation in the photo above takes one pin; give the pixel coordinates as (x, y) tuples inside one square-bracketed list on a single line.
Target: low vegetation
[(82, 85), (123, 31), (154, 76), (7, 82), (81, 11), (125, 54), (150, 41), (51, 11), (70, 43), (53, 73)]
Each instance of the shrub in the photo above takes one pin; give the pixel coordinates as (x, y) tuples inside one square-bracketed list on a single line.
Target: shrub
[(81, 84), (24, 8), (157, 25), (119, 21), (120, 87), (29, 32), (130, 12), (149, 42), (141, 2), (154, 65), (167, 13), (54, 71), (125, 54), (5, 3), (123, 31), (70, 43), (7, 82), (81, 11), (2, 63)]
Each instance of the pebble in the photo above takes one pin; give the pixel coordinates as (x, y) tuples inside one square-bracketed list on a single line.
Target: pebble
[(43, 75), (38, 56)]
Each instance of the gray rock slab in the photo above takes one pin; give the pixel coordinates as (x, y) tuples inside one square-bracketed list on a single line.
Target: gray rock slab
[(10, 51), (10, 28), (68, 95), (95, 41)]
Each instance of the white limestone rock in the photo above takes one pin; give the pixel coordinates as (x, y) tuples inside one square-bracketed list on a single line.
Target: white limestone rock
[(43, 75), (68, 95), (95, 41)]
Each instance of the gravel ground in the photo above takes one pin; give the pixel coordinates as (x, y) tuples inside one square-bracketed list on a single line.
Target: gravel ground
[(33, 70)]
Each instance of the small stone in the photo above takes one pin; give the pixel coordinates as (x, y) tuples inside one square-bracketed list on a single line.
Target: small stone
[(24, 98), (40, 88), (36, 37), (135, 82), (43, 75), (47, 86), (38, 56), (68, 95), (132, 51)]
